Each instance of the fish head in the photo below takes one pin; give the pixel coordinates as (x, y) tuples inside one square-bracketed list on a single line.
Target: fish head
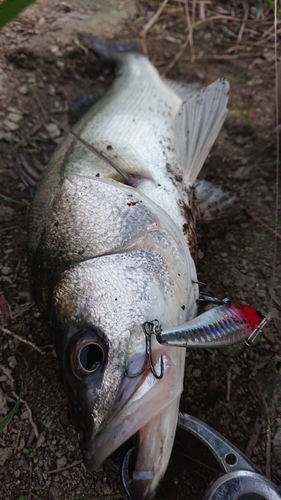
[(100, 306)]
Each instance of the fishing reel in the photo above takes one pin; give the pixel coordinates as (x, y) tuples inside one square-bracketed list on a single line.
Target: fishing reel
[(241, 480)]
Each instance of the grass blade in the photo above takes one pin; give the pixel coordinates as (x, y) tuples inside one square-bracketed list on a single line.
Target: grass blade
[(8, 418), (11, 8)]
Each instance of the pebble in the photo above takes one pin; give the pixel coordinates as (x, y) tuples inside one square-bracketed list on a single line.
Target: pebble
[(17, 473), (41, 21), (3, 403), (12, 362), (22, 444), (5, 454), (53, 130), (61, 462), (9, 125), (70, 447), (15, 117), (23, 90), (51, 90), (41, 439), (196, 373), (6, 270), (242, 174), (24, 415)]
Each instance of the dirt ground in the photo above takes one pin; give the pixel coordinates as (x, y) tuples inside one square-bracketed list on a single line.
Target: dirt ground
[(43, 65)]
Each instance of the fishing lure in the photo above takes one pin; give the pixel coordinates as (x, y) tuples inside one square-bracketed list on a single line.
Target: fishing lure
[(220, 326)]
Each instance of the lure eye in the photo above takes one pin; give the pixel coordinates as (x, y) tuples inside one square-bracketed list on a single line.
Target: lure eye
[(87, 354)]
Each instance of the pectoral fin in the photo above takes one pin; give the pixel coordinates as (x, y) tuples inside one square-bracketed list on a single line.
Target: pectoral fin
[(213, 202)]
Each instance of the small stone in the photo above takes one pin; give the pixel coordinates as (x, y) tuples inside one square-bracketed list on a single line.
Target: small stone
[(25, 295), (7, 136), (21, 445), (12, 362), (5, 454), (6, 270), (61, 462), (23, 90), (24, 415), (10, 125), (55, 49), (41, 440), (196, 373), (51, 90), (106, 490), (3, 403), (70, 447), (15, 117), (53, 130), (17, 473), (242, 174), (41, 21)]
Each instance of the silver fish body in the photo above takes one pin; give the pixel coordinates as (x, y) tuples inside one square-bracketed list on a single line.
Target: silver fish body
[(107, 256)]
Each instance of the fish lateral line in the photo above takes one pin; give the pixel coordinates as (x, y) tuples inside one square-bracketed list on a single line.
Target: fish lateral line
[(93, 149)]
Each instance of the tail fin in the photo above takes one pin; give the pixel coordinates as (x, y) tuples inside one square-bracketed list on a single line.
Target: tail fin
[(197, 125)]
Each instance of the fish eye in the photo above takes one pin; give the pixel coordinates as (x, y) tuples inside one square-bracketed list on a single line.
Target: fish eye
[(87, 354)]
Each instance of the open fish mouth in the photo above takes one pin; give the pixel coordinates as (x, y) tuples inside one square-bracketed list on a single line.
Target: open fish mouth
[(146, 409)]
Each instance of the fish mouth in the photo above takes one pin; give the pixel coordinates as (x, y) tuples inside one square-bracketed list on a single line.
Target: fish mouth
[(146, 409)]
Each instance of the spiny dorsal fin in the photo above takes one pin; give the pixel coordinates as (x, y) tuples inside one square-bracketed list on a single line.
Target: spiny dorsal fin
[(183, 90)]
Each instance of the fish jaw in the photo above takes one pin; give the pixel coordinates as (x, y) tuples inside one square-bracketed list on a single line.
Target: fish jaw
[(150, 416)]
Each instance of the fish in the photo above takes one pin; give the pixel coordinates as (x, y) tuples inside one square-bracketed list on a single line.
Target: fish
[(113, 245)]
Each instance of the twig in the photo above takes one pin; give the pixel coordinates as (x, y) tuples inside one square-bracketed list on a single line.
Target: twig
[(254, 437), (176, 58), (45, 114), (18, 337), (202, 9), (228, 381), (268, 450), (193, 11), (34, 426), (215, 18), (190, 30), (17, 440), (241, 31), (262, 223), (269, 30), (153, 19), (78, 462), (122, 4), (8, 228), (7, 372), (268, 437), (226, 57)]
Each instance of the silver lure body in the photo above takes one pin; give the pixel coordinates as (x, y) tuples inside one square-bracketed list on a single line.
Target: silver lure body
[(106, 257)]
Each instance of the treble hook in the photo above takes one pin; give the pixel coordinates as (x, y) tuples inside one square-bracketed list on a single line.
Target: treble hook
[(149, 328)]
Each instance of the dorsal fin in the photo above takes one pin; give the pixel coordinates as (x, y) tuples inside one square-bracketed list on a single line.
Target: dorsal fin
[(197, 125)]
